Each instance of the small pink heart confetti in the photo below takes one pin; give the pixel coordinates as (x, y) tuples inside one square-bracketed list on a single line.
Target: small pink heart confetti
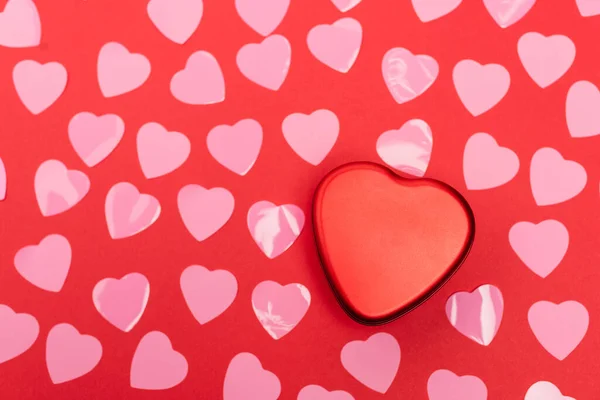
[(487, 165), (207, 293), (311, 136), (274, 228), (264, 16), (428, 10), (120, 71), (39, 85), (204, 211), (176, 19), (546, 59), (3, 180), (47, 264), (236, 147), (201, 81), (95, 137), (316, 392), (480, 87), (267, 63), (406, 75), (245, 375), (445, 385), (57, 189), (508, 12), (18, 331), (129, 212), (543, 390), (161, 152), (583, 109), (336, 45), (20, 24), (407, 149)]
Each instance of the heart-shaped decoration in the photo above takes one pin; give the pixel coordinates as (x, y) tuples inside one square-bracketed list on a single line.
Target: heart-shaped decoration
[(428, 10), (129, 212), (39, 85), (444, 385), (57, 189), (160, 151), (236, 147), (407, 149), (362, 213), (406, 75), (264, 16), (18, 331), (546, 59), (588, 8), (200, 82), (176, 19), (20, 24), (316, 392), (46, 264), (247, 379), (507, 12), (2, 180), (95, 137), (120, 71), (311, 136), (266, 63), (480, 87), (336, 45), (486, 164), (544, 390), (583, 109)]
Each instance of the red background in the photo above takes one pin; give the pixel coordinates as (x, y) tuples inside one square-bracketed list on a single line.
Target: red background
[(528, 118)]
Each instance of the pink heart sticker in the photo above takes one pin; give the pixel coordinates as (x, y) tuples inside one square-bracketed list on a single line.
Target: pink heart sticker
[(274, 228), (336, 45), (264, 16), (204, 211), (428, 10), (95, 137), (20, 24), (236, 147), (245, 378), (345, 5), (311, 136), (267, 63), (2, 180), (588, 8), (407, 149), (546, 59), (583, 109), (161, 152), (280, 309), (543, 390), (406, 75), (373, 362), (176, 19), (18, 332), (155, 365), (446, 385), (477, 314), (559, 327), (480, 87), (508, 12), (200, 82), (57, 189), (487, 165), (47, 264), (39, 85), (316, 392), (69, 354), (207, 293), (128, 212), (120, 71), (122, 301)]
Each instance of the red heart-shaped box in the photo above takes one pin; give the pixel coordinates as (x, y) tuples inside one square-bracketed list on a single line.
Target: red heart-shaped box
[(387, 243)]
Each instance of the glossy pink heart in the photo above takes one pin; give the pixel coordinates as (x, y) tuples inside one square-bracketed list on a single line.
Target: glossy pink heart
[(57, 189), (588, 8), (546, 59), (274, 228), (316, 392), (122, 301), (477, 314), (176, 19), (264, 16), (280, 309), (2, 180), (311, 136), (554, 179), (407, 149), (159, 151), (69, 354), (155, 365), (543, 390), (507, 12), (336, 45), (246, 379), (487, 165), (345, 5), (200, 82), (446, 385), (204, 211), (373, 362), (559, 327), (95, 137), (18, 332), (47, 264), (236, 147), (266, 63), (480, 87), (406, 75), (540, 246), (129, 212), (20, 24), (120, 71), (428, 10), (39, 85), (583, 109)]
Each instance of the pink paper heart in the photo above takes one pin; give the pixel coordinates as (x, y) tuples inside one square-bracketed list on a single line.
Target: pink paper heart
[(487, 165), (554, 179), (57, 189), (2, 181), (264, 16), (95, 137), (446, 385), (267, 63), (176, 19), (480, 87), (316, 392), (311, 136), (39, 85), (588, 8), (155, 365), (477, 314), (428, 10), (546, 59), (161, 152), (407, 149), (541, 246), (18, 332), (204, 211), (408, 76), (236, 147), (583, 109), (200, 82), (274, 228), (345, 5), (47, 264), (20, 24), (558, 327), (336, 45), (373, 362), (120, 71), (507, 12), (69, 354), (545, 391), (128, 212), (246, 379), (207, 293), (122, 301), (280, 309)]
